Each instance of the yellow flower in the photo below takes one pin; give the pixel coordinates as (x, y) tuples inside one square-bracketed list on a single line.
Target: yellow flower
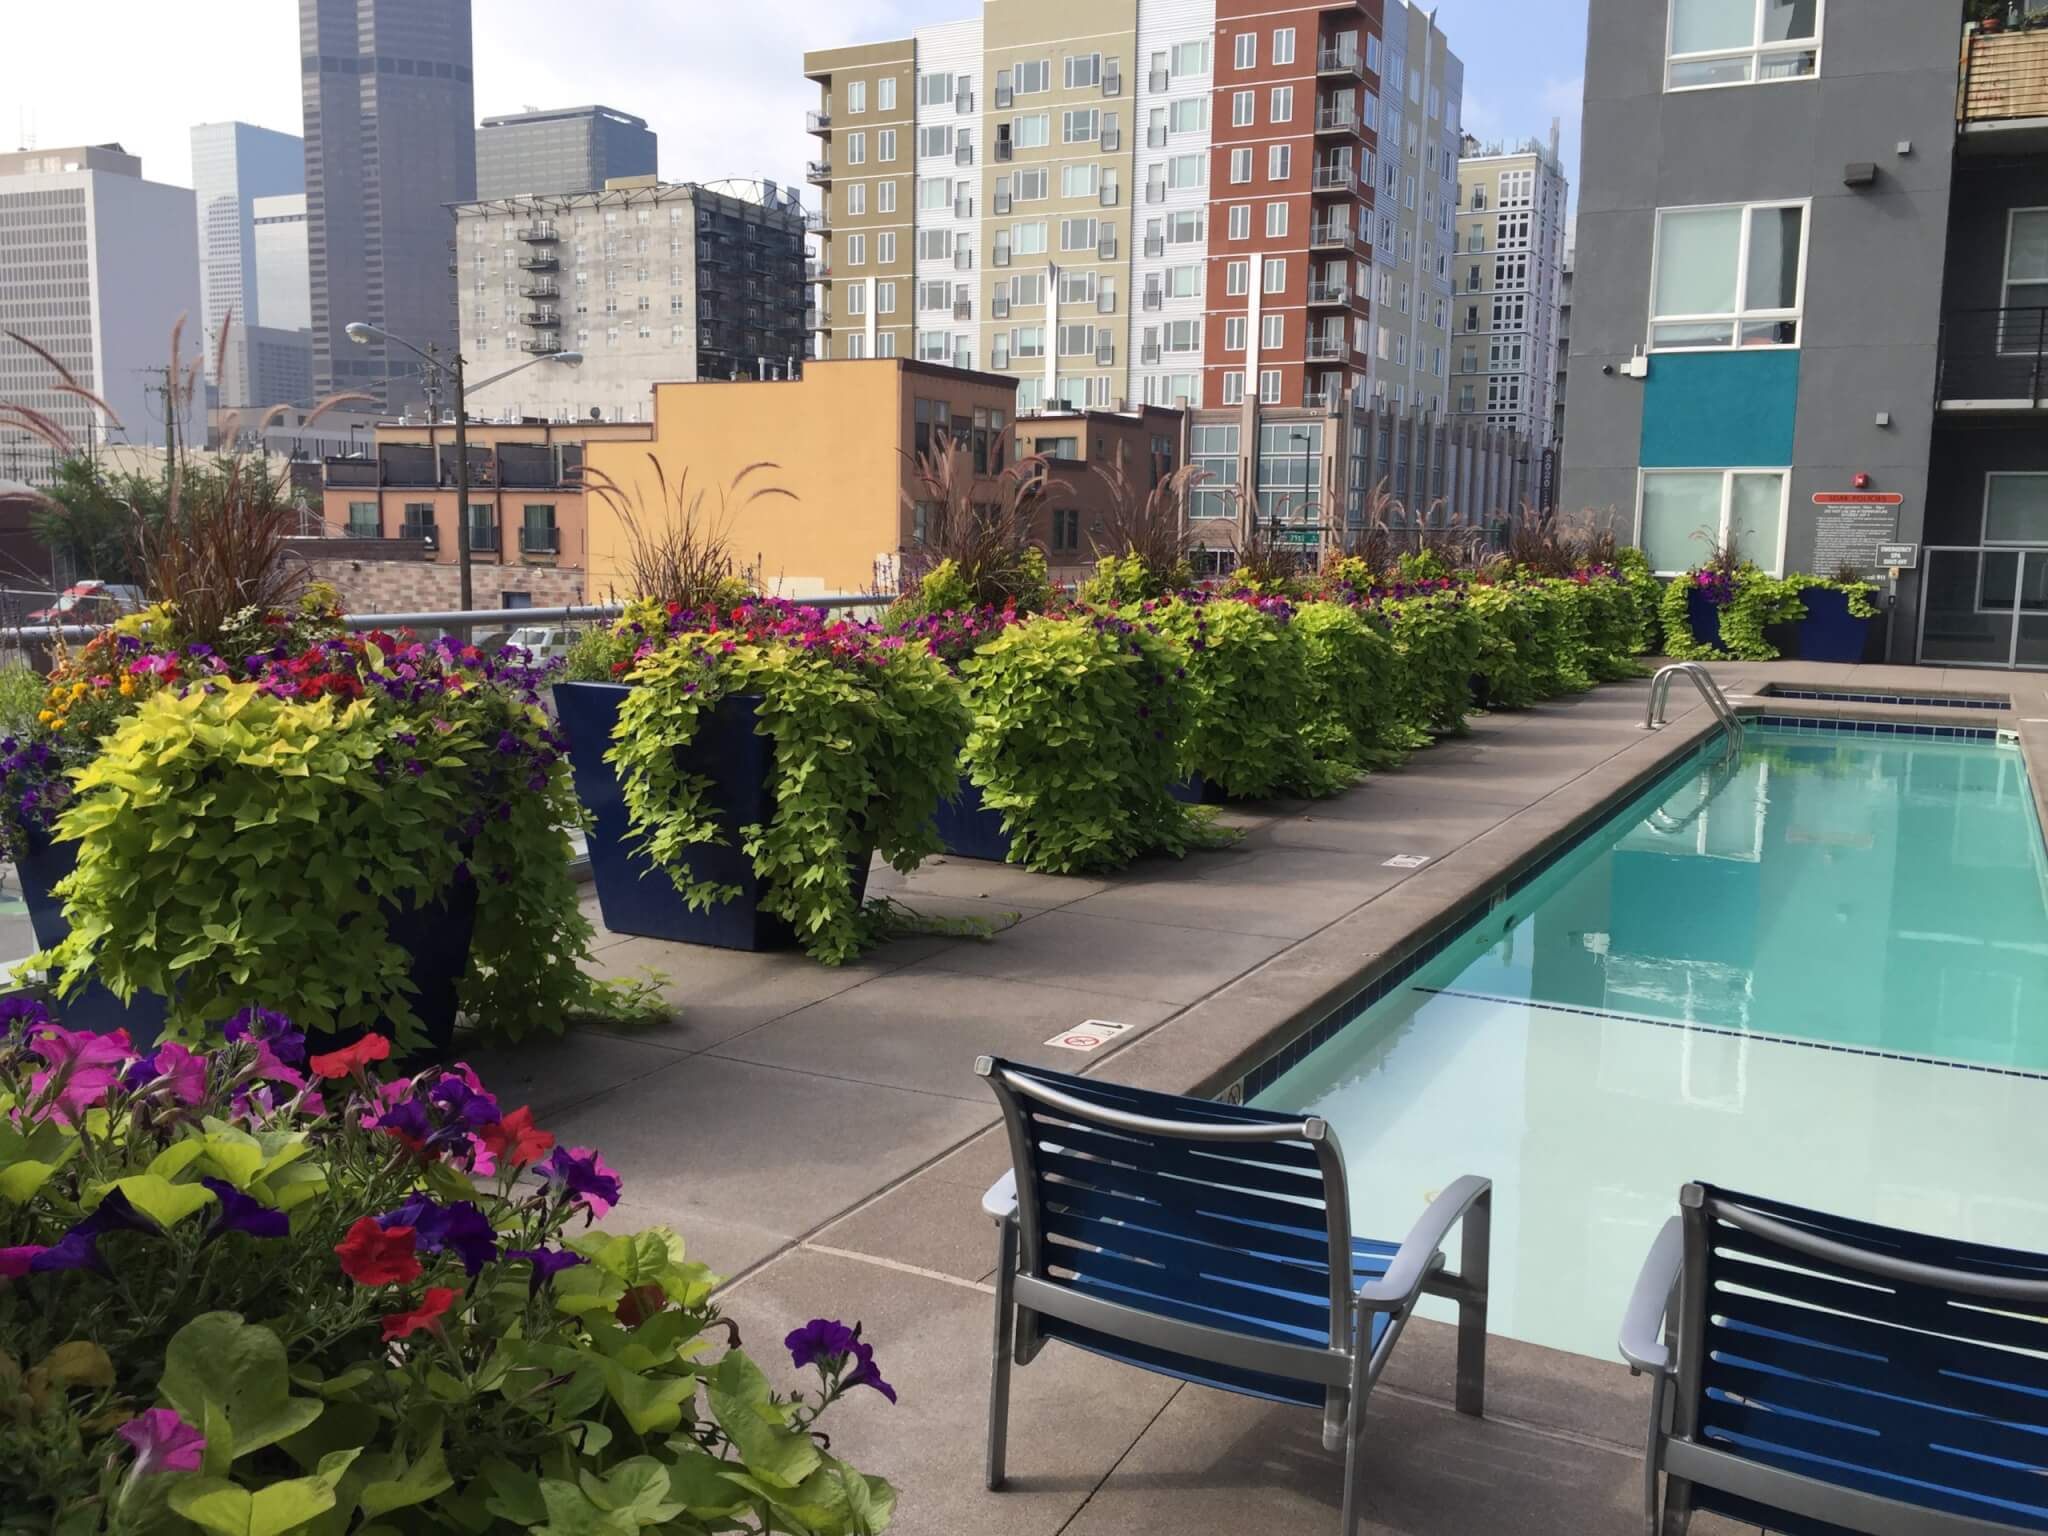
[(46, 717), (127, 687)]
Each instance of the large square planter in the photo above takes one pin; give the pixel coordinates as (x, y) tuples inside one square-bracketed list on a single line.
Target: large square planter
[(1829, 632), (435, 936), (633, 895), (968, 829), (1704, 619)]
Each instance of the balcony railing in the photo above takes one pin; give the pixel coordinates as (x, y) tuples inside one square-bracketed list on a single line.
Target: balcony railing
[(419, 529), (817, 221), (817, 122), (1328, 349), (539, 233), (483, 538), (543, 344), (1331, 236), (1338, 61), (540, 541), (547, 317), (540, 288), (541, 261), (2005, 77), (1333, 176), (1336, 120), (1323, 293), (363, 531), (1994, 359), (817, 171)]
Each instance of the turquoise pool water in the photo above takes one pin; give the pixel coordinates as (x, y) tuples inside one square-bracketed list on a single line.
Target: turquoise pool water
[(1817, 971)]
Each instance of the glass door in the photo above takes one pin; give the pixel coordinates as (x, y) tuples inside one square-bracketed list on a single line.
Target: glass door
[(1967, 606), (2030, 640)]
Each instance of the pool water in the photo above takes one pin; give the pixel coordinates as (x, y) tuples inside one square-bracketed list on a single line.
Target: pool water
[(1816, 971)]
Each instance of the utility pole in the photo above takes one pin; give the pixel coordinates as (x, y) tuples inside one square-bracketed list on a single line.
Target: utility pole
[(461, 479)]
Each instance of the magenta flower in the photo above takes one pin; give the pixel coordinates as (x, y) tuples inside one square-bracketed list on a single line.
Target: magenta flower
[(16, 1262), (163, 1443), (172, 1070), (82, 1067), (580, 1172)]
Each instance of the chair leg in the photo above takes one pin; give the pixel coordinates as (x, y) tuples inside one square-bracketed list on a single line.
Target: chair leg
[(1677, 1507), (1474, 1257), (1354, 1436), (999, 1365), (1652, 1449)]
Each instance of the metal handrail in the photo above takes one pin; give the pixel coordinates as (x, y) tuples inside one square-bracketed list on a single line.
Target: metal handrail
[(1717, 701)]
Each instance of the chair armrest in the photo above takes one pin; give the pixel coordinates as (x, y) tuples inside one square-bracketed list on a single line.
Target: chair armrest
[(1000, 1203), (1642, 1326), (1417, 1258)]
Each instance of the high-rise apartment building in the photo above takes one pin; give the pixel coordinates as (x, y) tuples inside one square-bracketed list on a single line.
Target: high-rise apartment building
[(97, 266), (233, 164), (1810, 303), (572, 149), (1147, 201), (649, 281), (1508, 272), (284, 290), (390, 142)]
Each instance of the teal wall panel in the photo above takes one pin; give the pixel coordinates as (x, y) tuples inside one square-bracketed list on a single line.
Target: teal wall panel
[(1707, 409)]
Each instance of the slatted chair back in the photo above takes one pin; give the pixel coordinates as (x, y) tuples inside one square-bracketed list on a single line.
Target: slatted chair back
[(1209, 1241), (1910, 1367)]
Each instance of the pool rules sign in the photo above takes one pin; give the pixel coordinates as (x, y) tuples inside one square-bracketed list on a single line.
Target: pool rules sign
[(1852, 527)]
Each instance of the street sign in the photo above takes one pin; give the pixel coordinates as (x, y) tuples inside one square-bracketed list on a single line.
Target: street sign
[(1090, 1035), (1899, 557)]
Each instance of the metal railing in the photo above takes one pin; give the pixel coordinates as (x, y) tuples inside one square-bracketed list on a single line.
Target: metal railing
[(1717, 701), (1994, 356), (2004, 77)]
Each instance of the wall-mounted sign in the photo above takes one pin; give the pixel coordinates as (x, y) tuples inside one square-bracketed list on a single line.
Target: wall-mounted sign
[(1899, 557), (1850, 526)]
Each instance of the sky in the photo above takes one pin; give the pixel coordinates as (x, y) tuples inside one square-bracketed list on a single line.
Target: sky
[(726, 95)]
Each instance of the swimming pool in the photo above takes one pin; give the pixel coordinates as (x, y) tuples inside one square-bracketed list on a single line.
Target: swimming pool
[(1817, 971)]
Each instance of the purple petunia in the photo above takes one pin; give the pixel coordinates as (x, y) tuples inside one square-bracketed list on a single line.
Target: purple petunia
[(458, 1227), (163, 1442), (546, 1262), (242, 1213), (828, 1345), (286, 1040), (23, 1013), (79, 1248), (580, 1172)]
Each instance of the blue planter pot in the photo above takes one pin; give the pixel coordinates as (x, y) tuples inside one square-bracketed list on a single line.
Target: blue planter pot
[(968, 829), (1704, 618), (1192, 790), (1829, 632), (436, 936), (632, 894)]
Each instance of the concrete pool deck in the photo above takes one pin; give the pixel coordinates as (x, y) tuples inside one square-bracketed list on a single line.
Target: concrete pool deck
[(818, 1135)]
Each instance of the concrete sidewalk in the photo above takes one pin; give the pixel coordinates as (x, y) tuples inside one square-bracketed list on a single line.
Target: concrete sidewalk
[(818, 1135)]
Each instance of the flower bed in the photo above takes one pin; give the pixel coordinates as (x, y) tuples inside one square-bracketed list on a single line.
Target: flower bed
[(242, 1290)]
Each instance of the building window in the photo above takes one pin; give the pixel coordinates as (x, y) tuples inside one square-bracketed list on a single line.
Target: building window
[(1243, 108), (1190, 114), (1184, 171), (1066, 522), (1276, 219), (934, 90), (2015, 508), (857, 298), (1237, 277), (362, 520), (1736, 42), (1083, 70), (856, 96), (1031, 185), (1028, 239), (856, 148), (2026, 279), (1272, 331), (1247, 50), (1240, 166), (885, 144), (1034, 75), (1079, 126), (1275, 274), (1082, 180), (885, 298), (1283, 45), (935, 143), (1233, 387), (1683, 509), (885, 248), (1728, 277), (1279, 161), (856, 250), (1269, 386), (1034, 131), (885, 94), (1281, 109), (537, 534), (1240, 221)]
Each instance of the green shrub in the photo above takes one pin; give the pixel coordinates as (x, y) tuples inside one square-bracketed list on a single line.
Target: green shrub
[(1438, 638), (1759, 600), (1248, 674), (1352, 721), (867, 738), (1646, 595), (1077, 735), (1515, 649), (1610, 621), (1674, 612)]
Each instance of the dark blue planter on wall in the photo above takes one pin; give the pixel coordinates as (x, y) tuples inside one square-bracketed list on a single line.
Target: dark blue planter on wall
[(1829, 632), (435, 936), (637, 898), (968, 829)]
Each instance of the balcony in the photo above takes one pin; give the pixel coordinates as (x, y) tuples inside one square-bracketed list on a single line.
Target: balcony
[(818, 172), (1338, 122), (1328, 349), (1329, 235), (540, 261), (543, 317), (540, 541), (817, 122), (1339, 63), (2002, 103), (817, 221), (419, 529), (1338, 175), (540, 288), (817, 271), (352, 473), (544, 345), (482, 537), (1994, 361), (1327, 295), (541, 232)]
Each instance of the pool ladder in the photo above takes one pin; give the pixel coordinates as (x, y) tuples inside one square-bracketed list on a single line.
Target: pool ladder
[(1717, 701)]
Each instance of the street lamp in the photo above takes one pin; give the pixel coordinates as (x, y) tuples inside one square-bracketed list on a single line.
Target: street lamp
[(450, 367), (1305, 439)]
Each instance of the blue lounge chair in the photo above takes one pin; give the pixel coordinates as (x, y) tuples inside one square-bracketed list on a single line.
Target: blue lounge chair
[(1211, 1243), (1816, 1375)]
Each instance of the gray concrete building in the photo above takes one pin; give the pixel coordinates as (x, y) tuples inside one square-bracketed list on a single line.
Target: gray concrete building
[(233, 164), (97, 267), (572, 149), (651, 282), (1809, 299), (390, 132)]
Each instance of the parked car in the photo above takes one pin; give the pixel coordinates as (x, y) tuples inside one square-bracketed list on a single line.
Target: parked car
[(542, 642), (90, 602)]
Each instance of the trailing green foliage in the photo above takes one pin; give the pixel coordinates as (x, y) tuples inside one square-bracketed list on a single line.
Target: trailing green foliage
[(1675, 613), (1609, 622), (867, 737), (1251, 695), (1646, 594), (1077, 735), (1352, 721), (1121, 579), (1859, 592), (1510, 634), (1438, 638), (1759, 600)]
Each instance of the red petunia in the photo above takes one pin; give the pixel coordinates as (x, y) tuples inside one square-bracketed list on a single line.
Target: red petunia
[(352, 1058), (374, 1255), (399, 1325), (516, 1140)]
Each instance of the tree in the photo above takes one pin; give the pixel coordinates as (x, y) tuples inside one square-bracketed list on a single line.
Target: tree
[(88, 519)]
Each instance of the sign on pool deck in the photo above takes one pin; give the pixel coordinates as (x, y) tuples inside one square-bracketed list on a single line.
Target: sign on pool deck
[(1091, 1034), (1852, 527)]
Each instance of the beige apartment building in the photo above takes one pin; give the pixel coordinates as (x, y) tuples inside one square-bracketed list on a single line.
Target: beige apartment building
[(865, 123)]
